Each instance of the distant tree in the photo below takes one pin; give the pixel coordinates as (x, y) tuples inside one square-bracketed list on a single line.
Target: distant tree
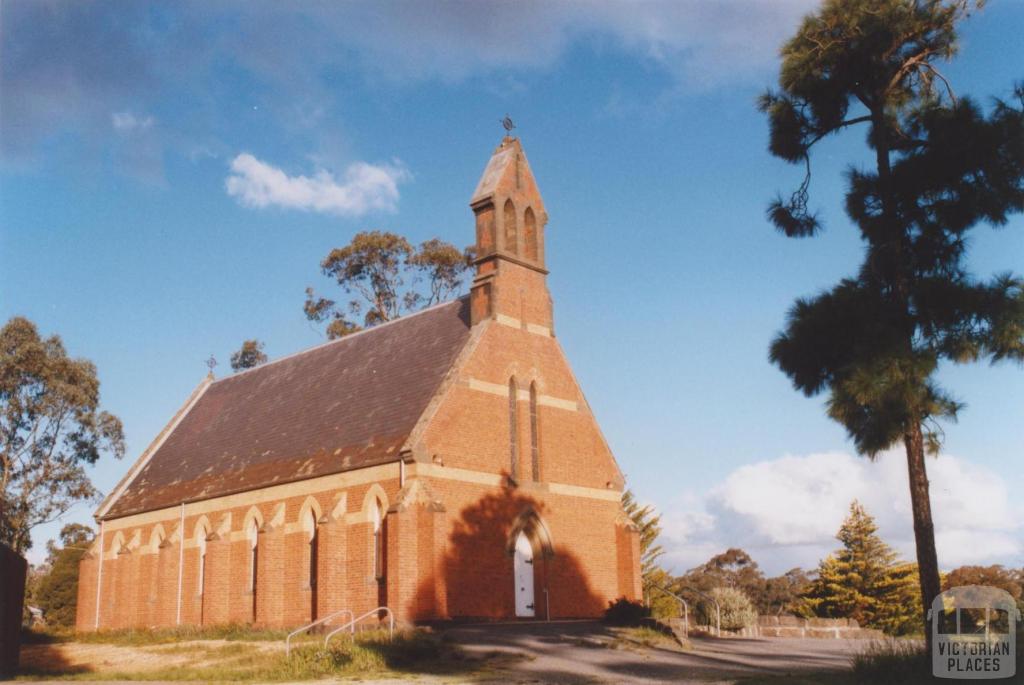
[(386, 277), (941, 166), (50, 427), (56, 590), (994, 576), (782, 594), (732, 568), (864, 581), (249, 355)]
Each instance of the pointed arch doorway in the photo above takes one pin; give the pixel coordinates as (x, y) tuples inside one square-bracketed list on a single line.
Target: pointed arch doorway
[(522, 567), (529, 542)]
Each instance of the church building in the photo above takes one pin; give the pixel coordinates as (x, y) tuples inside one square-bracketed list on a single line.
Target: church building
[(445, 465)]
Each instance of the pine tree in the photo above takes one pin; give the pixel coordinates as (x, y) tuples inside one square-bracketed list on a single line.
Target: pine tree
[(941, 166), (864, 581), (648, 523), (899, 607)]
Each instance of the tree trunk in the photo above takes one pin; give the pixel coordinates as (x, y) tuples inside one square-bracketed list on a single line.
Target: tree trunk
[(924, 530)]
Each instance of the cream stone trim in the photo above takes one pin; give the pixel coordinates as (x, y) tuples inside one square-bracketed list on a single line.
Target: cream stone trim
[(373, 494), (340, 506), (177, 534), (202, 529), (450, 473), (492, 388), (223, 529), (513, 322), (271, 493), (277, 517), (522, 395), (484, 478), (115, 546), (581, 491), (556, 402), (510, 321), (309, 505), (156, 537)]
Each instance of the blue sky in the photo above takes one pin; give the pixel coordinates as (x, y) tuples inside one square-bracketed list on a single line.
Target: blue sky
[(120, 123)]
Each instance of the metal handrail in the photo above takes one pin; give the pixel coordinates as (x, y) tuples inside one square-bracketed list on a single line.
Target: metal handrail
[(718, 607), (352, 624), (682, 603), (288, 640)]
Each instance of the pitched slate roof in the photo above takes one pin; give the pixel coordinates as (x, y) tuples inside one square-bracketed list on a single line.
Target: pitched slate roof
[(343, 405)]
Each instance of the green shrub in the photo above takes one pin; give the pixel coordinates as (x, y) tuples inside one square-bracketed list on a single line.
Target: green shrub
[(625, 612), (737, 610)]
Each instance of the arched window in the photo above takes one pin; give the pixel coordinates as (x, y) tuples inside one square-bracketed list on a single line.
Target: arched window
[(314, 538), (530, 234), (202, 533), (534, 438), (314, 543), (253, 537), (202, 560), (378, 540), (254, 551), (513, 427), (511, 231)]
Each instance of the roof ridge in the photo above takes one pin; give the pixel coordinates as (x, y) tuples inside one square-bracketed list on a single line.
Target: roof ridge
[(342, 339)]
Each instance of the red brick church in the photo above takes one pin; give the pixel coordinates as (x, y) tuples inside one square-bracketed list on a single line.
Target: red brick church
[(445, 465)]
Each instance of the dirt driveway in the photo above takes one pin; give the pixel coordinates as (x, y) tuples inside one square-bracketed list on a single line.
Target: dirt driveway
[(563, 653), (588, 652)]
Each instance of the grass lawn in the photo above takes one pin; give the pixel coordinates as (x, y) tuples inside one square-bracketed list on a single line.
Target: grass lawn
[(237, 654)]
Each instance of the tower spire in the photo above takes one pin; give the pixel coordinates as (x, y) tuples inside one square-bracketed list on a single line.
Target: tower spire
[(510, 221)]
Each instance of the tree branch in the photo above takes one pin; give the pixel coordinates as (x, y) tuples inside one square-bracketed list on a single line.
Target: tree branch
[(840, 125), (936, 72)]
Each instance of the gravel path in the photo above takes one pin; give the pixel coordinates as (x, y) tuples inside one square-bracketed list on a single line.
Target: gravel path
[(562, 653), (587, 652)]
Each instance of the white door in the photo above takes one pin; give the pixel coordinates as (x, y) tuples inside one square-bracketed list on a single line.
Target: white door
[(523, 567)]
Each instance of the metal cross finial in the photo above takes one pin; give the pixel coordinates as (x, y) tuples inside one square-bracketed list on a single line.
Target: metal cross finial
[(507, 123), (210, 363)]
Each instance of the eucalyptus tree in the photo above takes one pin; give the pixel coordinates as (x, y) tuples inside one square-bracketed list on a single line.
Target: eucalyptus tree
[(386, 277), (248, 356), (942, 165), (51, 426)]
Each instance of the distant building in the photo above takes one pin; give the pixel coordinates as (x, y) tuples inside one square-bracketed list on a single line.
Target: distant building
[(445, 464)]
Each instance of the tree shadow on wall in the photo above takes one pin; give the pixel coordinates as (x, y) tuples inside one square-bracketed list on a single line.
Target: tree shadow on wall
[(478, 563)]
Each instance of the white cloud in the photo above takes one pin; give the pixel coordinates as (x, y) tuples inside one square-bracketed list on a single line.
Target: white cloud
[(700, 42), (363, 187), (126, 122), (786, 511)]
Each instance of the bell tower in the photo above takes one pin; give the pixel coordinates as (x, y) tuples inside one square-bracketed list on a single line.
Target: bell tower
[(511, 281)]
